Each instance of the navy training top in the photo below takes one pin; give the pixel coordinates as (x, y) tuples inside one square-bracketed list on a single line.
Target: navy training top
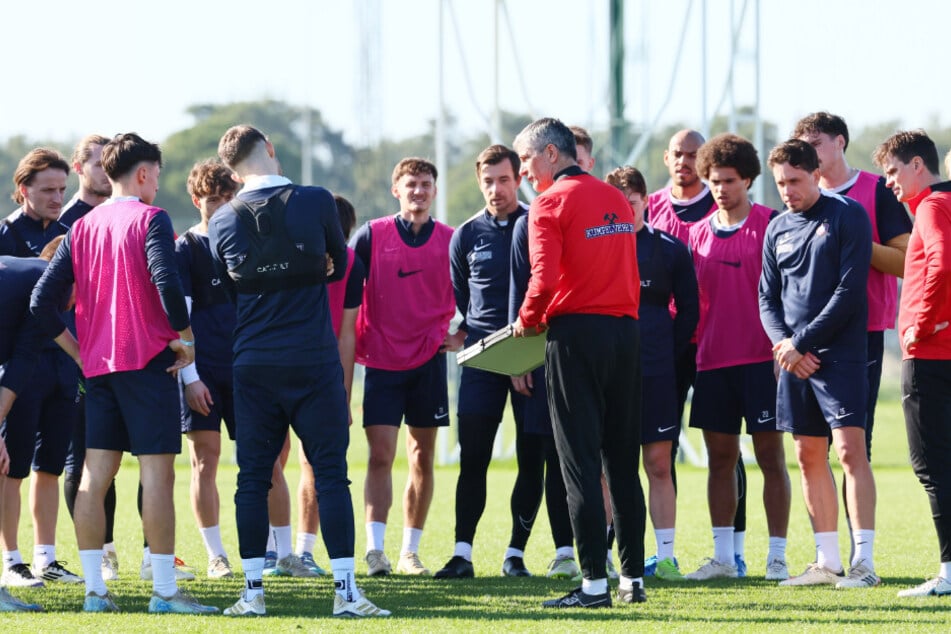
[(19, 333), (25, 237)]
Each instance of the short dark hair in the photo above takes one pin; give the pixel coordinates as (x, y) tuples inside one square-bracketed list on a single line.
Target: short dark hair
[(582, 138), (210, 178), (415, 166), (121, 155), (799, 154), (627, 178), (906, 145), (347, 214), (728, 150), (84, 148), (238, 142), (823, 123), (495, 154), (36, 161), (548, 131)]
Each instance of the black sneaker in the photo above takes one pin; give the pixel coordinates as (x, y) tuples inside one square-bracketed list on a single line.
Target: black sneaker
[(515, 567), (634, 595), (579, 599), (456, 568)]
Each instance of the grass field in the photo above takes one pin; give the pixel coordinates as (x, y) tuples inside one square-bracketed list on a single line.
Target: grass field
[(906, 552)]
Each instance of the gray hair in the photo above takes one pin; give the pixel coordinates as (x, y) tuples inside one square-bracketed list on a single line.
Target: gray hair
[(542, 132)]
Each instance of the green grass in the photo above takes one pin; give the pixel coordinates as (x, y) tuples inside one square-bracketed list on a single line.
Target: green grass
[(906, 552)]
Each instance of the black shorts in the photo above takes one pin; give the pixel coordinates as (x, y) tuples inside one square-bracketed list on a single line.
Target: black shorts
[(220, 384), (833, 397), (659, 420), (420, 394), (724, 396)]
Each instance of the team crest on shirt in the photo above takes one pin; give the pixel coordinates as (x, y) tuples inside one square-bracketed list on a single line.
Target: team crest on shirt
[(612, 227), (823, 229), (784, 244)]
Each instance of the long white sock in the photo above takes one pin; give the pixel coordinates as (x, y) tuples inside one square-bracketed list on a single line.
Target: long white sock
[(864, 540), (777, 549), (147, 556), (91, 560), (212, 538), (305, 543), (344, 583), (43, 555), (827, 551), (11, 558), (594, 586), (565, 552), (411, 537), (271, 541), (514, 552), (945, 570), (723, 544), (464, 550), (253, 570), (739, 543), (163, 574), (282, 537), (376, 531), (665, 542), (110, 547)]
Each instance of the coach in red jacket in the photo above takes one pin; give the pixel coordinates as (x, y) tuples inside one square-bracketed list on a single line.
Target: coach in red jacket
[(585, 289), (910, 163)]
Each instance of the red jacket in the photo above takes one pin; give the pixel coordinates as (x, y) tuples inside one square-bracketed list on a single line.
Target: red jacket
[(926, 289), (583, 250)]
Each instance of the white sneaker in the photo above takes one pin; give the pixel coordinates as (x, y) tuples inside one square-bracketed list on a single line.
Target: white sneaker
[(814, 575), (254, 607), (409, 564), (20, 576), (939, 586), (377, 564), (57, 571), (110, 566), (361, 608), (860, 576), (712, 569), (219, 568), (777, 570), (292, 566)]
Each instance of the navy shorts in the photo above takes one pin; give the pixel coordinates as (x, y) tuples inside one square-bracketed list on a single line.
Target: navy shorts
[(220, 384), (659, 420), (724, 396), (137, 411), (483, 394), (420, 394), (833, 397), (40, 423)]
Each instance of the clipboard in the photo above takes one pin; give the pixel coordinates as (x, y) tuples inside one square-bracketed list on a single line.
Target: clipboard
[(502, 353)]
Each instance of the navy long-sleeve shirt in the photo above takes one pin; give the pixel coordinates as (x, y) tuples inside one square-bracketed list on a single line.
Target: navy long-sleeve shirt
[(480, 265), (813, 285), (288, 327), (19, 334), (25, 237), (213, 312), (666, 271)]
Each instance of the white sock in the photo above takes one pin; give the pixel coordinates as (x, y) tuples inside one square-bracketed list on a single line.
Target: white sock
[(514, 552), (43, 555), (739, 543), (212, 538), (945, 570), (271, 541), (564, 552), (11, 558), (411, 537), (594, 586), (627, 583), (864, 540), (777, 549), (375, 533), (723, 545), (827, 551), (253, 584), (163, 574), (344, 583), (665, 543), (110, 547), (147, 556), (305, 543), (91, 560), (282, 538), (464, 550)]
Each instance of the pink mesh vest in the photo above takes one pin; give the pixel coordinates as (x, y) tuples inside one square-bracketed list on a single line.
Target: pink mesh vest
[(336, 294)]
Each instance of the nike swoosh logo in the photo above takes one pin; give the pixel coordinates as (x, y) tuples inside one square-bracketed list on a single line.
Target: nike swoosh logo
[(841, 416), (905, 397), (735, 264), (402, 273), (481, 246), (765, 420), (663, 429), (440, 416)]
